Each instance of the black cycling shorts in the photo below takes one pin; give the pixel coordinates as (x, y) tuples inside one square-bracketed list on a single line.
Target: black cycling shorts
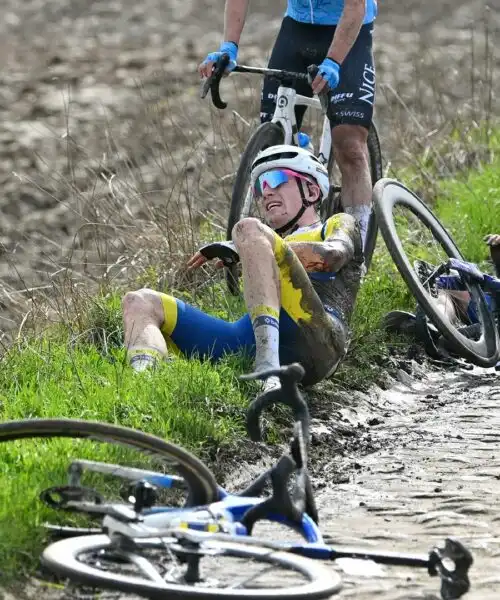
[(299, 45)]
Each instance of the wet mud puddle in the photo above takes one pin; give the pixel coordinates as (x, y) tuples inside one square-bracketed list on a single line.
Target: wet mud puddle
[(437, 476)]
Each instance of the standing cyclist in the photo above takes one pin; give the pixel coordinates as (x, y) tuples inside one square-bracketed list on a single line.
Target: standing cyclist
[(337, 36)]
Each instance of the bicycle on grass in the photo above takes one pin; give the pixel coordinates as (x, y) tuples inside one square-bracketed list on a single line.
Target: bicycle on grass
[(282, 129), (153, 550), (415, 237)]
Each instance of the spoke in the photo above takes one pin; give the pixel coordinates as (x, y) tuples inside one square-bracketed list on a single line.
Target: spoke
[(240, 584), (145, 567)]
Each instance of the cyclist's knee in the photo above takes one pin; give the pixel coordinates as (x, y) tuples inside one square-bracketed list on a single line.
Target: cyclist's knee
[(144, 303), (250, 235), (350, 145), (246, 229)]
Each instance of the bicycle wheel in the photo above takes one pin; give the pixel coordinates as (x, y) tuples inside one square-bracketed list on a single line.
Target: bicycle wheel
[(266, 135), (414, 235), (98, 464), (175, 571)]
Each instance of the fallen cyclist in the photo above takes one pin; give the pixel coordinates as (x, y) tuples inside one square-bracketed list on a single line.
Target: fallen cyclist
[(455, 304), (300, 281)]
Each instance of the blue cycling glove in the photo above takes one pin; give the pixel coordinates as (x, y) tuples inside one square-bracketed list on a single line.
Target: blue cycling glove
[(329, 70), (225, 48)]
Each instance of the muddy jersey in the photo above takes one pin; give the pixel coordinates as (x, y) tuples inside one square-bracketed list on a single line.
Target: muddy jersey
[(314, 309), (337, 291), (325, 12)]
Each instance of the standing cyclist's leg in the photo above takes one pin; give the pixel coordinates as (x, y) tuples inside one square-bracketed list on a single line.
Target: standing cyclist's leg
[(353, 100)]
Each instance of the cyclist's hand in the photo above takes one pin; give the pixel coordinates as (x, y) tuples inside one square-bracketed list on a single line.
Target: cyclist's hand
[(327, 77), (205, 68), (492, 239), (196, 261)]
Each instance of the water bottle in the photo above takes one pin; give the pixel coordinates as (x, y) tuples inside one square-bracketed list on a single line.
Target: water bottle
[(305, 142)]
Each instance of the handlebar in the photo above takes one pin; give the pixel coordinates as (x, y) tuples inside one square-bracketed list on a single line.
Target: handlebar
[(212, 83), (288, 394), (293, 504)]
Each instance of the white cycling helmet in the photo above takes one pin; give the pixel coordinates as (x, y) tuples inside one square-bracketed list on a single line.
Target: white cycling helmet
[(294, 158)]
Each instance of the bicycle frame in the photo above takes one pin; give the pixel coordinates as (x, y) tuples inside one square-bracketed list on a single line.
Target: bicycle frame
[(223, 516), (284, 114), (232, 516), (156, 526)]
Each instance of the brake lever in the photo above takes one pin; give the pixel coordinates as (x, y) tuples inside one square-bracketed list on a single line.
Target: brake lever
[(454, 581), (212, 83), (281, 502), (325, 96)]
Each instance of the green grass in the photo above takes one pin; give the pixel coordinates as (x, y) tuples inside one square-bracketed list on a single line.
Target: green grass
[(77, 369), (471, 209), (192, 403)]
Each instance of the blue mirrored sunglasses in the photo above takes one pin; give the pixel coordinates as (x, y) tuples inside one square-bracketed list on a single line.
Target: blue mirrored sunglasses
[(274, 179)]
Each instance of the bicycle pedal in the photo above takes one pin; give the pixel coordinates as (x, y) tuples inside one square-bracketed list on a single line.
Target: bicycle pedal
[(66, 497)]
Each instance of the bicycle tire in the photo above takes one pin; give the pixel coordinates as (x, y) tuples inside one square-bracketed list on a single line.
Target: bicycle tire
[(200, 482), (63, 557), (266, 135), (387, 194), (376, 171)]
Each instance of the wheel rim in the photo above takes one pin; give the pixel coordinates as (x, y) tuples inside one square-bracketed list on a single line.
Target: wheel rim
[(409, 246), (93, 560)]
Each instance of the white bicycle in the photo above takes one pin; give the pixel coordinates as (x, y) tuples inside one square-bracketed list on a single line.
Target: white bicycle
[(282, 129)]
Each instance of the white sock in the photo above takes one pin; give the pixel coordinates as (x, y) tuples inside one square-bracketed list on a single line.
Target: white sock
[(361, 213), (141, 359), (265, 322)]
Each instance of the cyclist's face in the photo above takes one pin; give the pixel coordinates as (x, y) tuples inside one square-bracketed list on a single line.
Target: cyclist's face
[(280, 204)]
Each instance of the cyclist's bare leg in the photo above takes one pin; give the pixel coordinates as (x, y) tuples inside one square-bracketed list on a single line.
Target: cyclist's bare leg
[(275, 277), (351, 154), (142, 318), (453, 305), (261, 287)]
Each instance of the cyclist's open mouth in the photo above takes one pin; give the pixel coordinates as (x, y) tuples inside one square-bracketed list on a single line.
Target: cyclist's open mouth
[(272, 205)]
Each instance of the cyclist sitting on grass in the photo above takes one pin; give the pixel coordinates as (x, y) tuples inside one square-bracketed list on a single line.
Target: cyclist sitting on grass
[(337, 36), (299, 289)]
